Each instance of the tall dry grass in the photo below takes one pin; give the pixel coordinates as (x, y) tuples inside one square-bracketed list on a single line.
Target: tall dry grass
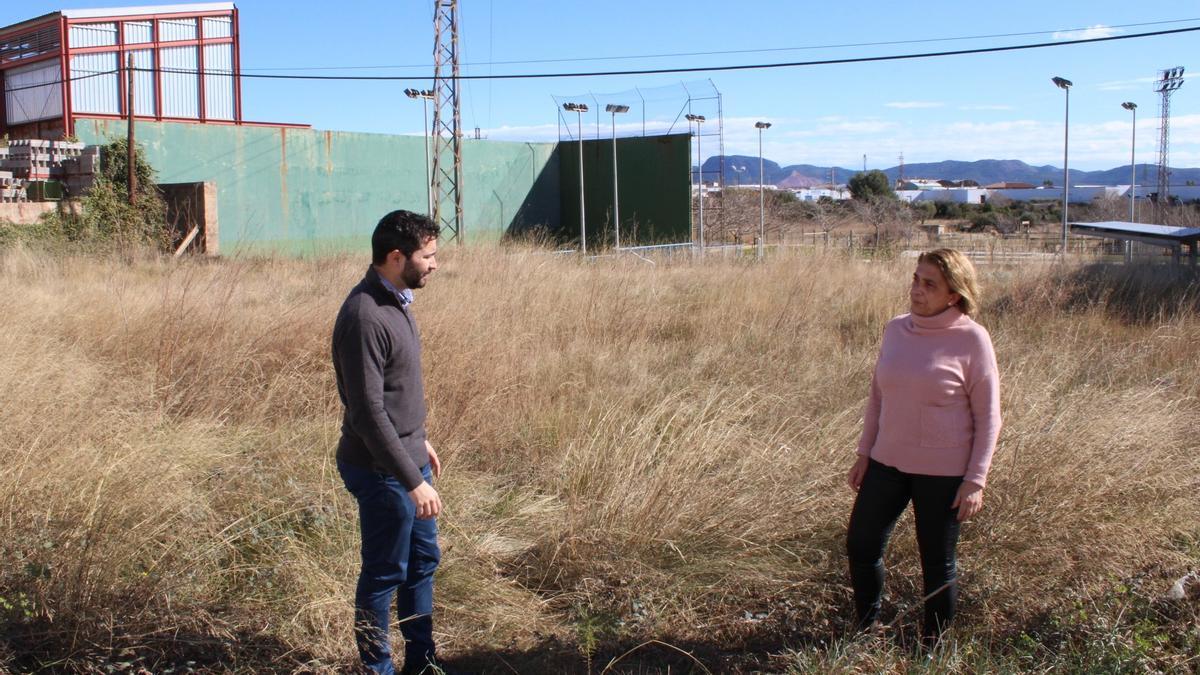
[(633, 452)]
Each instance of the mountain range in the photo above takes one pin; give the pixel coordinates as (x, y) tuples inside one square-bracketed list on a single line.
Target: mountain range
[(744, 169)]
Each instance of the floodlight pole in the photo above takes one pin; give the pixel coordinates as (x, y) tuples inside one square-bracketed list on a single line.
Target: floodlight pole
[(698, 119), (614, 109), (1065, 85), (1132, 107), (762, 209), (579, 109), (425, 95)]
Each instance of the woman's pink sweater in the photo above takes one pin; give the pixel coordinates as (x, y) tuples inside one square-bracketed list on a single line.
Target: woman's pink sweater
[(935, 398)]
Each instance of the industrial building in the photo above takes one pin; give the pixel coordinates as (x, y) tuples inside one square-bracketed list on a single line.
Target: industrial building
[(68, 65)]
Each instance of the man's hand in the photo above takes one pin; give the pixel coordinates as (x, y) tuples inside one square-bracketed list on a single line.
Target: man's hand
[(427, 501), (855, 478), (435, 464), (968, 501)]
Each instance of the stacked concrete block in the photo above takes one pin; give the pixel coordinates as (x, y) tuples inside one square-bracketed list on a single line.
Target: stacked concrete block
[(11, 189), (74, 164), (79, 173)]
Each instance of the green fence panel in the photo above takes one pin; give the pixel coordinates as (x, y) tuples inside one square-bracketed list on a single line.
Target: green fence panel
[(652, 172), (305, 191)]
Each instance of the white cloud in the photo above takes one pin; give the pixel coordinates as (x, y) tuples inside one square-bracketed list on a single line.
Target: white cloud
[(535, 133), (1089, 33), (1139, 83), (985, 106), (861, 127), (909, 105)]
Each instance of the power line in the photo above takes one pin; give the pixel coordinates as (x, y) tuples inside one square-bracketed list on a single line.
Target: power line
[(60, 81), (661, 71), (728, 52)]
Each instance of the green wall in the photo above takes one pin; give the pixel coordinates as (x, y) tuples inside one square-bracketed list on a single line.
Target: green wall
[(653, 179), (308, 191), (305, 191)]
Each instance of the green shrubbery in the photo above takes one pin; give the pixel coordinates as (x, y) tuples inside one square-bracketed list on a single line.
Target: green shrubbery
[(106, 218)]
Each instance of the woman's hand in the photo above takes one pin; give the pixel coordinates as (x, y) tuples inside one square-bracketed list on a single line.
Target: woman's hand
[(968, 501), (855, 478)]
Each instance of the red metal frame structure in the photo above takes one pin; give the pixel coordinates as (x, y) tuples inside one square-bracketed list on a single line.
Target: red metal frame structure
[(21, 45)]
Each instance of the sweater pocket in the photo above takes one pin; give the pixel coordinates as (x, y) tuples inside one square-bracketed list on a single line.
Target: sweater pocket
[(947, 426)]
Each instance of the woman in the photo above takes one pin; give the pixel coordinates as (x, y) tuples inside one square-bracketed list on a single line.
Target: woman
[(929, 432)]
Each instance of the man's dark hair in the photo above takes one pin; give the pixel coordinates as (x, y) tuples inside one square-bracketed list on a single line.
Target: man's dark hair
[(401, 230)]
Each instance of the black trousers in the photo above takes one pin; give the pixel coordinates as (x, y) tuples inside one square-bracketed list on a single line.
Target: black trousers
[(884, 494)]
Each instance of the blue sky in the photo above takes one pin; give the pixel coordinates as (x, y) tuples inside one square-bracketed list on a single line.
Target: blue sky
[(1000, 106)]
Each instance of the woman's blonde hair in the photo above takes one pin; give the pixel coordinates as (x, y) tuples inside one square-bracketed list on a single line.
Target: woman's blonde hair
[(959, 273)]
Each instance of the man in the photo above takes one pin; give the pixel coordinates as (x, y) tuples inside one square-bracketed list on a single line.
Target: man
[(383, 456)]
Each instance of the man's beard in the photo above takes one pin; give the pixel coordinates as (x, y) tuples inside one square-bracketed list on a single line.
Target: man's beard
[(413, 279)]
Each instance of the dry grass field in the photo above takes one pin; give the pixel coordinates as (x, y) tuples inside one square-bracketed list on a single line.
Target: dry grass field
[(644, 466)]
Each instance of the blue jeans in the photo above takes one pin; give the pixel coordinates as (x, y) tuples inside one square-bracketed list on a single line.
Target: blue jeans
[(883, 496), (399, 556)]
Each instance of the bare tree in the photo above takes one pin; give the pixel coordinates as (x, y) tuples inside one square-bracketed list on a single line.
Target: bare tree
[(889, 219)]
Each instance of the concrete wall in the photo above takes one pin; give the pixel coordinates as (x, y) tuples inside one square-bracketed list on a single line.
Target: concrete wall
[(25, 213), (305, 191), (1076, 195), (957, 195)]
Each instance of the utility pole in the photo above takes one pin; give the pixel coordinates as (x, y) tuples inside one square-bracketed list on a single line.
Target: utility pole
[(129, 141)]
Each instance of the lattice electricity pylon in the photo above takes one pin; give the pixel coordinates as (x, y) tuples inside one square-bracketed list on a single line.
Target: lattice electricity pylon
[(447, 124), (1168, 82)]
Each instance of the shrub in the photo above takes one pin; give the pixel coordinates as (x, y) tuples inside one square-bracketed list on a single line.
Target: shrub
[(984, 221), (106, 218)]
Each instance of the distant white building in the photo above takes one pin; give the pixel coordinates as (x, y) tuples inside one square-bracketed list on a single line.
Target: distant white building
[(1185, 193), (920, 184), (750, 186), (812, 194), (1079, 194), (943, 194)]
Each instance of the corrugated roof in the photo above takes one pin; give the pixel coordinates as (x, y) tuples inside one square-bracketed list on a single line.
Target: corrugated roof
[(1150, 234), (191, 8)]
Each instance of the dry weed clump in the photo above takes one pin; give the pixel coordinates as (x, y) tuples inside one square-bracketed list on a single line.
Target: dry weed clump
[(634, 451)]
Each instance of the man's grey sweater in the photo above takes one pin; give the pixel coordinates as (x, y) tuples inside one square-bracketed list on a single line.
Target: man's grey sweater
[(377, 360)]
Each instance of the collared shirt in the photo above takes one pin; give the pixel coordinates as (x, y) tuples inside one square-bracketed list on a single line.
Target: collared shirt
[(405, 297)]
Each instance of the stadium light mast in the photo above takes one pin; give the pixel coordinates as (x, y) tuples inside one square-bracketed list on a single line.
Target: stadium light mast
[(699, 119), (616, 109), (762, 209), (579, 109), (1065, 85), (426, 95), (1169, 82), (1132, 107)]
